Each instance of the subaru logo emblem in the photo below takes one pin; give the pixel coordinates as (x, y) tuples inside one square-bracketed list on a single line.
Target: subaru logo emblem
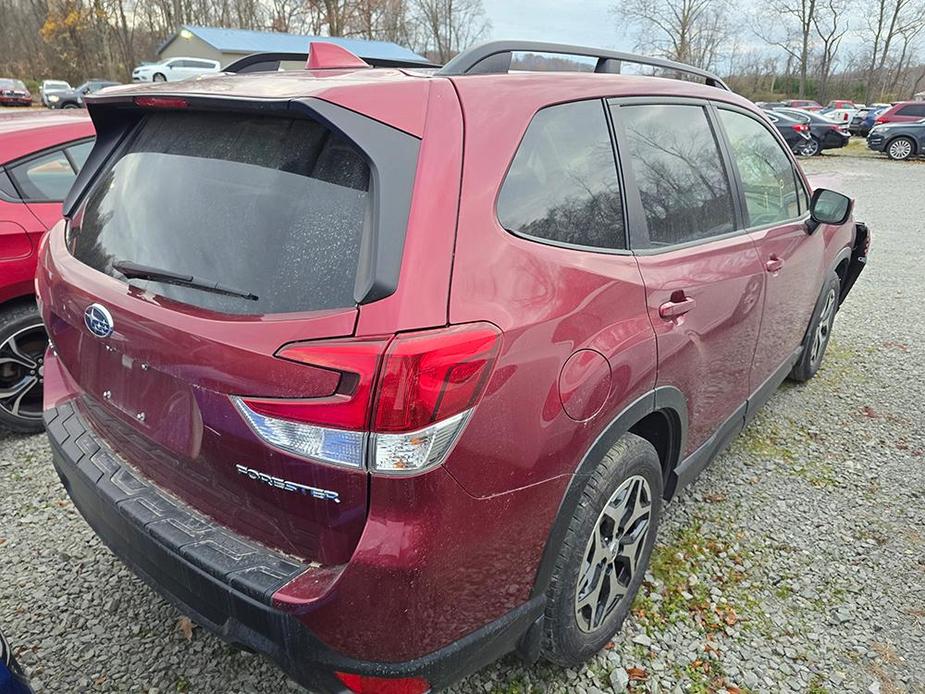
[(98, 320)]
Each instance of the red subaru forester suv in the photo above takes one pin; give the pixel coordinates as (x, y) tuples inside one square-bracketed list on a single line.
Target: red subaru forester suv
[(385, 373)]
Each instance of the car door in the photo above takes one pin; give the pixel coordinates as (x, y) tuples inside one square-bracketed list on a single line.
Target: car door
[(774, 202), (704, 281), (176, 70)]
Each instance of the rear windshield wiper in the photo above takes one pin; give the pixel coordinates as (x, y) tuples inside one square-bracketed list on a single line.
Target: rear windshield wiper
[(132, 270)]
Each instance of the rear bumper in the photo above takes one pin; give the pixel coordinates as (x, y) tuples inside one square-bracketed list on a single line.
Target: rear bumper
[(225, 583)]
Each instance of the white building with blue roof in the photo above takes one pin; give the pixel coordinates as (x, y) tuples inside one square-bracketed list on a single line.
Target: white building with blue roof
[(227, 45)]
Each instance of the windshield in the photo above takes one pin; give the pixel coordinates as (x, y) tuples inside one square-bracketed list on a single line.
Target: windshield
[(12, 84), (274, 207), (52, 84)]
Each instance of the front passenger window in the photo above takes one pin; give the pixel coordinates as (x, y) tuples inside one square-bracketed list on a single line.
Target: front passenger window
[(768, 178)]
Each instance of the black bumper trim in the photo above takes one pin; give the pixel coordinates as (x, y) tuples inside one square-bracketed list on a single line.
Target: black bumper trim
[(135, 521)]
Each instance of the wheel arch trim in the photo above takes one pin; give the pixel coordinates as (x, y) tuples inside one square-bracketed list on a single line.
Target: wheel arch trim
[(666, 399)]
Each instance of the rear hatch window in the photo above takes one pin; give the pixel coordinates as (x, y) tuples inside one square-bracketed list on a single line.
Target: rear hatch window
[(271, 209)]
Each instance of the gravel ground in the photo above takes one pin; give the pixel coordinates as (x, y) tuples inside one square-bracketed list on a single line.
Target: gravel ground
[(796, 562)]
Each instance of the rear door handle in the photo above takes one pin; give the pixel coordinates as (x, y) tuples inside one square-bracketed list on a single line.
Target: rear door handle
[(674, 308), (773, 264)]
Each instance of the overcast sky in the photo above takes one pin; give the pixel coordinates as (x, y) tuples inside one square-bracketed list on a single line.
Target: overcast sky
[(583, 22)]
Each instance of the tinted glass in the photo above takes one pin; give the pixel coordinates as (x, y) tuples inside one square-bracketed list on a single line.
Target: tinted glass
[(45, 178), (912, 110), (562, 185), (765, 169), (79, 153), (6, 186), (677, 167), (269, 206)]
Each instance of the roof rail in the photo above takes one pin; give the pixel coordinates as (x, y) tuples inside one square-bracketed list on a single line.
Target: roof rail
[(495, 57), (269, 62)]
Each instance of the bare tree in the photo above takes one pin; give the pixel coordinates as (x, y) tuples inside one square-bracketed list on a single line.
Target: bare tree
[(889, 21), (687, 31), (830, 24), (448, 26), (789, 25)]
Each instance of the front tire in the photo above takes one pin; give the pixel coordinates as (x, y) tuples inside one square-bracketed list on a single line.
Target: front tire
[(604, 554), (819, 332), (158, 77), (900, 149), (22, 354)]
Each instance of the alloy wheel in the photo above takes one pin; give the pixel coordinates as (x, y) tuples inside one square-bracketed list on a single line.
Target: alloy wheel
[(900, 149), (824, 327), (22, 373), (612, 555), (810, 148)]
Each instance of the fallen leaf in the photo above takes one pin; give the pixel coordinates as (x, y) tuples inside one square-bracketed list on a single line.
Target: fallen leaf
[(870, 412), (731, 617), (609, 646), (185, 625), (637, 673), (714, 498)]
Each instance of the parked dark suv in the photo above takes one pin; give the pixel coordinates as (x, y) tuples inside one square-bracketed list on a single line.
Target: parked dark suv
[(385, 392), (898, 140), (74, 98)]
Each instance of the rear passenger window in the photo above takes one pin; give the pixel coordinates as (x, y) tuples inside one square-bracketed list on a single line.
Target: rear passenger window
[(677, 167), (767, 175), (45, 178), (562, 185), (79, 154), (915, 110)]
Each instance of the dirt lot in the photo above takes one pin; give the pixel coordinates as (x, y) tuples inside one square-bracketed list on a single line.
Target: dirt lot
[(796, 563)]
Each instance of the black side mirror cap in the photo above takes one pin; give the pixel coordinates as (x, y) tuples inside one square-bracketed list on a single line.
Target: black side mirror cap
[(828, 207)]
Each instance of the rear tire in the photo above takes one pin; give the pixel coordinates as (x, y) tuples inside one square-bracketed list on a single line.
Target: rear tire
[(605, 553), (22, 354), (900, 149), (810, 148), (819, 332)]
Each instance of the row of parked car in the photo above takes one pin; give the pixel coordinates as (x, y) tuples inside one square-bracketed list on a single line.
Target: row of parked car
[(57, 94), (894, 129)]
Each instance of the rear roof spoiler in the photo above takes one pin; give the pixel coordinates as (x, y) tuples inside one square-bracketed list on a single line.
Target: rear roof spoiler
[(269, 62), (495, 57)]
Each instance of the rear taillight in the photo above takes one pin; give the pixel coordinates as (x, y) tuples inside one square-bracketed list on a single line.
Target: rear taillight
[(426, 384), (366, 684), (880, 121), (800, 127)]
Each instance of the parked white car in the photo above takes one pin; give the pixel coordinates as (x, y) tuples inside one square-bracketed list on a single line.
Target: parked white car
[(50, 87), (174, 70), (840, 115)]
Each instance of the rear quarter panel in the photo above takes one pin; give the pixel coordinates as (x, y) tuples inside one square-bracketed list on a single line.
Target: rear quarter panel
[(549, 301)]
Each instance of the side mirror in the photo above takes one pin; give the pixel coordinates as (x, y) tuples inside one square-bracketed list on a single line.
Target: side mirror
[(828, 207)]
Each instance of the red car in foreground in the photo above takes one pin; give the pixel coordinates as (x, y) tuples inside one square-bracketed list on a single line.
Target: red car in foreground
[(386, 373), (40, 155)]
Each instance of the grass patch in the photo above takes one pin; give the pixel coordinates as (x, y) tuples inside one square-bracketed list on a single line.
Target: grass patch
[(816, 686), (684, 593)]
